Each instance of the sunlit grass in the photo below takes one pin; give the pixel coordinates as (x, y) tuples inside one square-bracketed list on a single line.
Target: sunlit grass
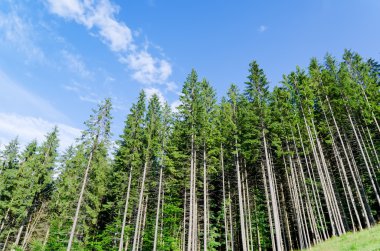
[(366, 240)]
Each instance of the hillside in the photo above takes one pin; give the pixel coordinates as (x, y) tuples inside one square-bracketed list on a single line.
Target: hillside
[(366, 240)]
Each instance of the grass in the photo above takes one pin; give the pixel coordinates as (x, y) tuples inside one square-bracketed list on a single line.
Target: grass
[(366, 240)]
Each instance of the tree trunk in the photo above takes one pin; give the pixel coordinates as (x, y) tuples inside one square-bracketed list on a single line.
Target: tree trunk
[(362, 199), (241, 206), (205, 206), (80, 201), (140, 207), (190, 240), (271, 180), (125, 211), (157, 211), (224, 199), (46, 238)]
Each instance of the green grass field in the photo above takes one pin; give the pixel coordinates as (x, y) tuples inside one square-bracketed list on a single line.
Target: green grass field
[(366, 240)]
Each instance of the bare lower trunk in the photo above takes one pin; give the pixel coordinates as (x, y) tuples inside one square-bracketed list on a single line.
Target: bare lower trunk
[(141, 237), (224, 200), (190, 240), (125, 211), (184, 223), (271, 180), (157, 212), (18, 235), (249, 229), (6, 241), (230, 217), (373, 182), (46, 238), (241, 206), (205, 204), (4, 219), (362, 200), (140, 208), (79, 204), (268, 208)]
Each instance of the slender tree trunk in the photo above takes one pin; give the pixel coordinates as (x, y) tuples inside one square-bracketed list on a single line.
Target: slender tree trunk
[(224, 199), (79, 204), (158, 211), (268, 207), (205, 206), (190, 240), (162, 218), (362, 199), (125, 211), (364, 158), (241, 206), (4, 219), (298, 204), (248, 210), (46, 238), (28, 235), (271, 178), (245, 208), (230, 217), (373, 148), (27, 231), (184, 223), (333, 197), (126, 244), (289, 235), (141, 236), (6, 241), (257, 225), (308, 203), (140, 207)]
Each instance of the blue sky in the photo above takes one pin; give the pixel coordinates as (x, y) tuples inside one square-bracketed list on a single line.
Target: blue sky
[(58, 58)]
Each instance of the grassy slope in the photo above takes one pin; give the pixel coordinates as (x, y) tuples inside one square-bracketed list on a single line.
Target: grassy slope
[(366, 240)]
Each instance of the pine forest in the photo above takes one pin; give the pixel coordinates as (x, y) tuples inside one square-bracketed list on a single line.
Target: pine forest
[(260, 168)]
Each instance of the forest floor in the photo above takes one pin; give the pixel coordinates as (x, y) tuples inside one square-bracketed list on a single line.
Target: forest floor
[(366, 240)]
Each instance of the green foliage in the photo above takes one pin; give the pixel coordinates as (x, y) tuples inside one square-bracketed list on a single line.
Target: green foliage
[(321, 129)]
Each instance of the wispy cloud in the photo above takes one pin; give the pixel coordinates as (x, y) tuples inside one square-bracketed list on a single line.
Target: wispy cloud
[(99, 16), (76, 65), (19, 34), (262, 28), (84, 92), (171, 87), (11, 91), (28, 128)]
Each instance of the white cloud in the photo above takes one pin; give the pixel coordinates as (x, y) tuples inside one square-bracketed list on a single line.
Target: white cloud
[(148, 69), (151, 91), (19, 34), (171, 87), (174, 105), (76, 65), (100, 15), (262, 28), (67, 8), (28, 128)]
